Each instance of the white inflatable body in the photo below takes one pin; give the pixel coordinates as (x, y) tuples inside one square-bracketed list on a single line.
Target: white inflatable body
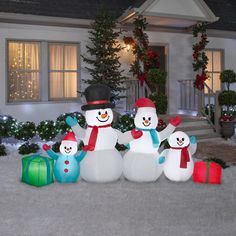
[(172, 169), (104, 163), (141, 162)]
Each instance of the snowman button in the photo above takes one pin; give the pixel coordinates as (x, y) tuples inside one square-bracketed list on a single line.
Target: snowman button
[(65, 170), (66, 162)]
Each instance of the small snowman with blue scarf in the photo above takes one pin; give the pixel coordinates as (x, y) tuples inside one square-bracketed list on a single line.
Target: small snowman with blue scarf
[(142, 162), (66, 168)]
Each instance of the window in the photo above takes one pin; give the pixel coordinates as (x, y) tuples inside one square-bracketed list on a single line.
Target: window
[(214, 68), (36, 67), (63, 70), (23, 71)]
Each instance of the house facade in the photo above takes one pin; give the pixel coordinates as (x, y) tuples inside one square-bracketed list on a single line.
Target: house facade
[(41, 66)]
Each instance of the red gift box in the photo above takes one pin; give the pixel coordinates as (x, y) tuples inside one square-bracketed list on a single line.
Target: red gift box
[(207, 172)]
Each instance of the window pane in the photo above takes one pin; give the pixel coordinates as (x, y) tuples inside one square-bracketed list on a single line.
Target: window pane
[(209, 65), (70, 57), (217, 61), (208, 82), (56, 85), (24, 86), (56, 57), (216, 82), (23, 71), (70, 83)]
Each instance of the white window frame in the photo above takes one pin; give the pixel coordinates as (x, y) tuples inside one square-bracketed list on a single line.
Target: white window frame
[(63, 71), (44, 72)]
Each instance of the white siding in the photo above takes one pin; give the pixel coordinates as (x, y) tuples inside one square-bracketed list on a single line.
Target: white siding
[(179, 65)]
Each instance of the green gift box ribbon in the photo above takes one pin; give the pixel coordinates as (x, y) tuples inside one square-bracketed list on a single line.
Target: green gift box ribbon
[(37, 170)]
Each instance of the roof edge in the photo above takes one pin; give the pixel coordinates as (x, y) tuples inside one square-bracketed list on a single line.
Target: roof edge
[(18, 18)]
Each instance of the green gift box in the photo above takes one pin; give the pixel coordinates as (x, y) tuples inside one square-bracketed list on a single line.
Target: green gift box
[(37, 170)]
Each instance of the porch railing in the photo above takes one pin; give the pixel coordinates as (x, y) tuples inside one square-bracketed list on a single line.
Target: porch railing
[(135, 91), (204, 102)]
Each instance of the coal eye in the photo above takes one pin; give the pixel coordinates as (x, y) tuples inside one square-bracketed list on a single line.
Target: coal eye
[(106, 112), (144, 118), (99, 113), (70, 148), (149, 118), (182, 139), (177, 139), (64, 147)]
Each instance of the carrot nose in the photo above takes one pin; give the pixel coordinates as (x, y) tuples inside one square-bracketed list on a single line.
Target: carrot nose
[(146, 121), (103, 116), (180, 141)]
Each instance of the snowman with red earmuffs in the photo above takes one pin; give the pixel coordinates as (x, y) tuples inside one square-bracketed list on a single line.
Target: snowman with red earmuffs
[(102, 163), (142, 162)]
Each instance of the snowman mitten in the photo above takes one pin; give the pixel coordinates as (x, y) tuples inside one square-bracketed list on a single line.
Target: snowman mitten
[(161, 160), (71, 121), (193, 139)]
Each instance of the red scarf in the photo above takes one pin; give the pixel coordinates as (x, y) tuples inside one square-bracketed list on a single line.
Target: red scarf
[(184, 156), (93, 137)]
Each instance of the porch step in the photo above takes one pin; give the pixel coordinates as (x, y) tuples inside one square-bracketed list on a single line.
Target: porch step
[(197, 126)]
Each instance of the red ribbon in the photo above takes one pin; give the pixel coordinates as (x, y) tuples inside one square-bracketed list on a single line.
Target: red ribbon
[(93, 137), (98, 102), (184, 156)]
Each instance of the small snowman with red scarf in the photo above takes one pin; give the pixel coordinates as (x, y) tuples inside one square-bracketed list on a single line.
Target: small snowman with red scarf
[(143, 163), (103, 163), (179, 163), (66, 168)]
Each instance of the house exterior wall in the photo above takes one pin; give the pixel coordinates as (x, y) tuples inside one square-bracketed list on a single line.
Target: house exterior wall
[(179, 65)]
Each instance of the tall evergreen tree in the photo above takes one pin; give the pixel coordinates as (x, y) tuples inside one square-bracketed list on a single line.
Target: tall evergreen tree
[(104, 60)]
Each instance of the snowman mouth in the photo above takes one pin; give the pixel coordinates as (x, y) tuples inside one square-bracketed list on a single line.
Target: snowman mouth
[(67, 151), (180, 144), (146, 124), (103, 120)]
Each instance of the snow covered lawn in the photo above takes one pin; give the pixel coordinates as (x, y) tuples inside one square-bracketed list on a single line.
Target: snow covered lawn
[(122, 208)]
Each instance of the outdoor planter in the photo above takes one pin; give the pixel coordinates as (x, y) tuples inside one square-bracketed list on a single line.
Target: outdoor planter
[(227, 128)]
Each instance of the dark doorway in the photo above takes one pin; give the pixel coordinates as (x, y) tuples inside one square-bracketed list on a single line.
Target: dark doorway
[(162, 59)]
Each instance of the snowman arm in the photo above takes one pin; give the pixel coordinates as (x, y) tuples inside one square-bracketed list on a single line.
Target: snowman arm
[(164, 134), (52, 154), (78, 131), (81, 156), (125, 138)]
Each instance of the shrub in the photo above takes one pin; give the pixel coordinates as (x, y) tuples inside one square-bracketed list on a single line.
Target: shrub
[(2, 150), (160, 101), (156, 76), (47, 130), (28, 148), (61, 125)]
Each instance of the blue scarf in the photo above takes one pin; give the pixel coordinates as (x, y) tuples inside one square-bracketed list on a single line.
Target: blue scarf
[(154, 137)]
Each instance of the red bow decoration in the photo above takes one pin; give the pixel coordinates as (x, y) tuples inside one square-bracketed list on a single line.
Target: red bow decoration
[(142, 78)]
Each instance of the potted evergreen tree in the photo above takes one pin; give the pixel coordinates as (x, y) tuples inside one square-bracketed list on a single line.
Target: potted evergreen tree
[(227, 99)]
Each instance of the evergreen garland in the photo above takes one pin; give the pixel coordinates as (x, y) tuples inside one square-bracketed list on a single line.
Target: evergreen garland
[(103, 50), (140, 49), (47, 130), (200, 59)]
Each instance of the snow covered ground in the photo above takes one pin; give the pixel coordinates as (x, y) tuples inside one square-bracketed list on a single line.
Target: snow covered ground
[(117, 209)]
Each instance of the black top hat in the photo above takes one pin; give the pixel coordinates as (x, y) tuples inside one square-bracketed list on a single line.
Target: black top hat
[(97, 97)]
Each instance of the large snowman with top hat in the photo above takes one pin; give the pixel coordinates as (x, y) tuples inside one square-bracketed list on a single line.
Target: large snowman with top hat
[(102, 163), (142, 163)]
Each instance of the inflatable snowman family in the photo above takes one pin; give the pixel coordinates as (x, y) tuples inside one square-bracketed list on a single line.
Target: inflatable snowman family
[(102, 162)]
